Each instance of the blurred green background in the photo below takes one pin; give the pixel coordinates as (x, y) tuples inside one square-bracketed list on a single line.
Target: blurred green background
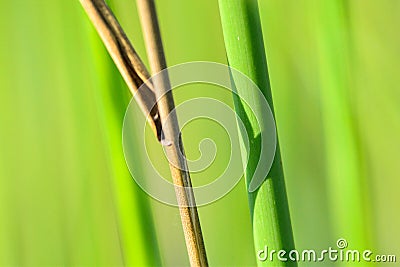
[(66, 196)]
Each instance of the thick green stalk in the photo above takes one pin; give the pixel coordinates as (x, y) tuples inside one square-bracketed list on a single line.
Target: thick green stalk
[(245, 51)]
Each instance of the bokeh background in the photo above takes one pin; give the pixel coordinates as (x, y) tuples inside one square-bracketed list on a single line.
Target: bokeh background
[(66, 196)]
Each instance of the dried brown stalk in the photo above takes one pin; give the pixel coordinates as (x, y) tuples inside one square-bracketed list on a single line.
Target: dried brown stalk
[(135, 74), (125, 57), (178, 164)]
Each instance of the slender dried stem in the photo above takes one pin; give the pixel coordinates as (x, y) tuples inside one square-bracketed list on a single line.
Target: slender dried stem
[(125, 57), (166, 106)]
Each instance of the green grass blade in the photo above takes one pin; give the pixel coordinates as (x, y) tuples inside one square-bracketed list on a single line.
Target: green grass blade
[(245, 52), (58, 200), (346, 182)]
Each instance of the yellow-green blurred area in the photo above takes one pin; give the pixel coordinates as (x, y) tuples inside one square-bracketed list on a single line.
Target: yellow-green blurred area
[(67, 197)]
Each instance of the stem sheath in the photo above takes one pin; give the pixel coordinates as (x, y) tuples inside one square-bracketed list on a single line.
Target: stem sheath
[(268, 204)]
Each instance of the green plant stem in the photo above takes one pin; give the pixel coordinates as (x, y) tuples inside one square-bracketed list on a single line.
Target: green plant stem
[(245, 51)]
